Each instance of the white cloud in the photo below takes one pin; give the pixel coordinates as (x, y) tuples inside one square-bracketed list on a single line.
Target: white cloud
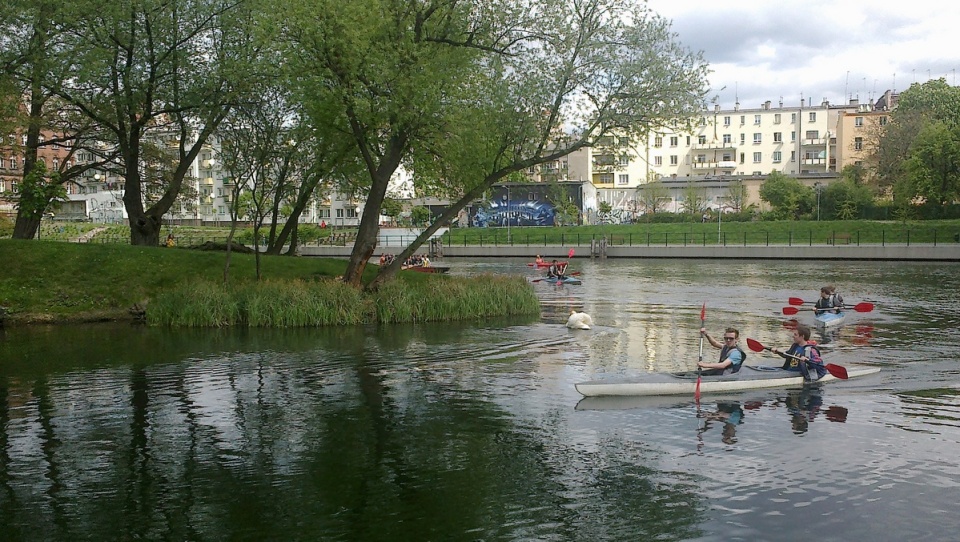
[(763, 50)]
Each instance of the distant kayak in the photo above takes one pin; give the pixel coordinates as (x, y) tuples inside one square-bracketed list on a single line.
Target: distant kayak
[(748, 378), (564, 280), (432, 268), (544, 264)]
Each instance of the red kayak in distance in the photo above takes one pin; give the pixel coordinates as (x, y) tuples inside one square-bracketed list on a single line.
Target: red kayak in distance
[(544, 264)]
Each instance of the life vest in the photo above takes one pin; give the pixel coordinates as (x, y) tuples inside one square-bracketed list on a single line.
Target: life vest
[(734, 367)]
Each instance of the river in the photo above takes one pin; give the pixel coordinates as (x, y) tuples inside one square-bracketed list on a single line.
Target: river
[(474, 431)]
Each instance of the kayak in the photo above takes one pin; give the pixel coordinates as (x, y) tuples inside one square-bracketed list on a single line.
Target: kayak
[(544, 264), (830, 319), (749, 378), (564, 280), (432, 268)]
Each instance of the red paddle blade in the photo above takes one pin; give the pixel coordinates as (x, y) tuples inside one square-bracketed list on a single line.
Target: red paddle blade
[(703, 312), (696, 392), (863, 307), (837, 371), (570, 254), (795, 301), (791, 323), (790, 310), (754, 345)]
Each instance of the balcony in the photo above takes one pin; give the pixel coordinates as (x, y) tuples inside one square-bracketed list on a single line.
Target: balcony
[(704, 165), (208, 181), (814, 141), (814, 161), (727, 164), (716, 145)]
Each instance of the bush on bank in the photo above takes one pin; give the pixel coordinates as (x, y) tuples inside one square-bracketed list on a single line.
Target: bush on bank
[(322, 303)]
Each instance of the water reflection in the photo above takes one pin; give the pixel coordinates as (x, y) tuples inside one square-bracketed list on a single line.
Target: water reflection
[(471, 431)]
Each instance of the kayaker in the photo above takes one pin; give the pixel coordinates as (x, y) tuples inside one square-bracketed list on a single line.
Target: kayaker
[(803, 356), (539, 259), (731, 355), (556, 270), (830, 301)]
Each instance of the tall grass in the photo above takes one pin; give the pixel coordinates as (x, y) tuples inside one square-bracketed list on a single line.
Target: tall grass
[(322, 303)]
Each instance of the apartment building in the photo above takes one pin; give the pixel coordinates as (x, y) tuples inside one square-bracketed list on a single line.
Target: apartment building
[(51, 154), (858, 131)]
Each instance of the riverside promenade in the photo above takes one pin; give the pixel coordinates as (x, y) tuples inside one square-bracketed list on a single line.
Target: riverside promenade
[(942, 252)]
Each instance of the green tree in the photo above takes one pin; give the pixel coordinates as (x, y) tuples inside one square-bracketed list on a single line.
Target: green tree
[(694, 199), (933, 167), (467, 93), (166, 71), (420, 215), (653, 195), (37, 191), (844, 199), (736, 196), (392, 207), (788, 196)]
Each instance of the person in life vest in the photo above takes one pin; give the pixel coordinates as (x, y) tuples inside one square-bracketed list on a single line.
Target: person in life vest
[(830, 301), (556, 270), (731, 355), (803, 355)]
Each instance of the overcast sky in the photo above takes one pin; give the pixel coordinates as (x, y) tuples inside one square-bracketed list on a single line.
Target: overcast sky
[(762, 50)]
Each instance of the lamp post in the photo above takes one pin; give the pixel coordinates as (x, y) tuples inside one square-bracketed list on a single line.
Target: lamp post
[(508, 214)]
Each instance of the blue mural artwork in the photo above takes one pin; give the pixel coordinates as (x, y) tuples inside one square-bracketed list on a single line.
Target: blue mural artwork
[(499, 211)]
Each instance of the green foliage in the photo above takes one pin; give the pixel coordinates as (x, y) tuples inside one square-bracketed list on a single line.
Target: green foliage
[(392, 207), (933, 167), (420, 215), (788, 196), (935, 99), (37, 191), (844, 199)]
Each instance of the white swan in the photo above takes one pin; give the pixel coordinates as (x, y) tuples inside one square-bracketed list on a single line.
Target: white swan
[(579, 320)]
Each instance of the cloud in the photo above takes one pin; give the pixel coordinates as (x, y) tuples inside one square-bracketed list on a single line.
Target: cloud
[(835, 50)]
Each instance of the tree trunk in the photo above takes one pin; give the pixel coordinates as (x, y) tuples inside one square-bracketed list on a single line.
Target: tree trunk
[(26, 227), (145, 230)]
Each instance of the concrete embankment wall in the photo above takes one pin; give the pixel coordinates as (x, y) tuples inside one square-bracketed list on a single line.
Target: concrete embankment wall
[(913, 252)]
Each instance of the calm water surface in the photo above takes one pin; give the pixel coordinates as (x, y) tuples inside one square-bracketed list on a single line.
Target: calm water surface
[(474, 431)]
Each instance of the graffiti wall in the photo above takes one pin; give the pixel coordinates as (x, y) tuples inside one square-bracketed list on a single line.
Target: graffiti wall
[(521, 205)]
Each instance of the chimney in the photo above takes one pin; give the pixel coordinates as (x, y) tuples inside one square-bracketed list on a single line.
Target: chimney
[(766, 105), (854, 101), (736, 106), (716, 108)]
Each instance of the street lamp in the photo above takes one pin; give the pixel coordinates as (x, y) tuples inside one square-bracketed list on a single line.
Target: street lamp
[(508, 214)]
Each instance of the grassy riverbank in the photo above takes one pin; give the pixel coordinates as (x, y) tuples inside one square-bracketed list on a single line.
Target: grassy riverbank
[(56, 282)]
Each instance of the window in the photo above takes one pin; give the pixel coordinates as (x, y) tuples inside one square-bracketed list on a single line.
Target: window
[(776, 118), (688, 141), (352, 212), (757, 157), (703, 121), (741, 157), (728, 157), (623, 179), (702, 140), (726, 121), (756, 120), (658, 142), (858, 121), (323, 213), (701, 158), (1, 166), (13, 163), (606, 178), (658, 160), (339, 213), (673, 159), (812, 134), (777, 157), (727, 139), (777, 137), (624, 160), (793, 156), (743, 120), (858, 143), (793, 137), (793, 118), (813, 116), (743, 138), (673, 141), (757, 137), (624, 141)]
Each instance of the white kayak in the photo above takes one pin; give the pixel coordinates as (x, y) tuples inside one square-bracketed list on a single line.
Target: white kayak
[(749, 378)]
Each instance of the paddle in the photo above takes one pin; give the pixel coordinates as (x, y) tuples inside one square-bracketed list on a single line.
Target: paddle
[(859, 307), (836, 370), (703, 317), (570, 254)]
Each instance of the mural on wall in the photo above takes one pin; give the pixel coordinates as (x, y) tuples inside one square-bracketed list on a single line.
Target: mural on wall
[(527, 206)]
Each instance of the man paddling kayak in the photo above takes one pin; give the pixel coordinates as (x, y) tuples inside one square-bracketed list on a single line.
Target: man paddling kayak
[(803, 355), (731, 355)]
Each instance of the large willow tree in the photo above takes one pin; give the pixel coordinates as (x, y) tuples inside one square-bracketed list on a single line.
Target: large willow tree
[(468, 92)]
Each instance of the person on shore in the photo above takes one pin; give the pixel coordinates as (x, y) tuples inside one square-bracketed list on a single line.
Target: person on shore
[(803, 355), (830, 301), (731, 355)]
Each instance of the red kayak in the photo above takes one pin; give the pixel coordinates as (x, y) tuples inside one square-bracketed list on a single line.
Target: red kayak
[(544, 264)]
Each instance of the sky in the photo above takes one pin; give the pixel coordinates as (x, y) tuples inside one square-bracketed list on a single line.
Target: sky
[(760, 50)]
